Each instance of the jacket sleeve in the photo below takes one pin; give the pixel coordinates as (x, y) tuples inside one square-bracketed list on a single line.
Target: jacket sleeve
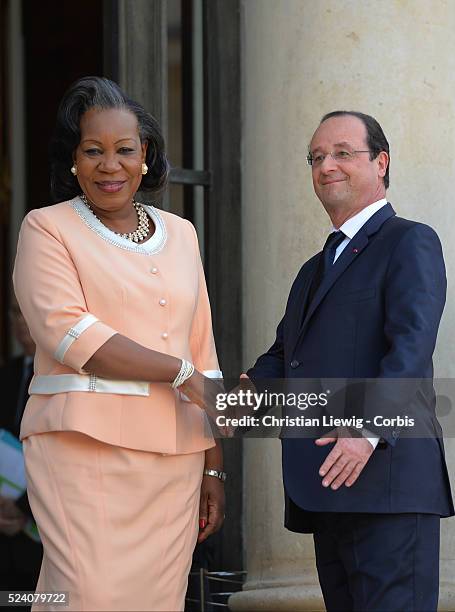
[(202, 342), (271, 363), (51, 297), (414, 301)]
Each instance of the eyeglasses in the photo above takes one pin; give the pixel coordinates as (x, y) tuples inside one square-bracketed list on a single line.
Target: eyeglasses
[(340, 156)]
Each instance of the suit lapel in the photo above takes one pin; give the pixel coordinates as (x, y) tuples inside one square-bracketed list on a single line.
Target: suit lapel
[(353, 250)]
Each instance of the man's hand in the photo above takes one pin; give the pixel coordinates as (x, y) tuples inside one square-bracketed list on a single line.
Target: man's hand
[(211, 508), (12, 519), (239, 411), (346, 460)]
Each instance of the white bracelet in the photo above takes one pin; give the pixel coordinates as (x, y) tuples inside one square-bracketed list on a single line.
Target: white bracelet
[(185, 372), (179, 378)]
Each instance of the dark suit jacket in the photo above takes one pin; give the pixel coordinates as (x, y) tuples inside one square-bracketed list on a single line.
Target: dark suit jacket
[(375, 316)]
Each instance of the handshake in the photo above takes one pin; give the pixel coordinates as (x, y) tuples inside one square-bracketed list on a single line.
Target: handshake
[(204, 392)]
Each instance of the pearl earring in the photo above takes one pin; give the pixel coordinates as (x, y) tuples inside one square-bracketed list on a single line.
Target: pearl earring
[(145, 169), (74, 169)]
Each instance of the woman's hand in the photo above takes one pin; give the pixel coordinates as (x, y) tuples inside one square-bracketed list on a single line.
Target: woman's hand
[(202, 391), (211, 508)]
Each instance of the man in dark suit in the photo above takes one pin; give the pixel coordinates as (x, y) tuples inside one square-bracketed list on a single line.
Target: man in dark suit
[(20, 557), (367, 307)]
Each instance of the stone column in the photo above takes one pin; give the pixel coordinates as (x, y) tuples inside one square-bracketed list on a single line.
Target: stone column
[(301, 59)]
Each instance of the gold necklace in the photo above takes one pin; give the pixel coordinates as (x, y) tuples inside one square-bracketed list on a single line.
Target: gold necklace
[(143, 226)]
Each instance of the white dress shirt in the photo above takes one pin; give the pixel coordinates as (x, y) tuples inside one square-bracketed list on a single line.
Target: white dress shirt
[(352, 225), (350, 229)]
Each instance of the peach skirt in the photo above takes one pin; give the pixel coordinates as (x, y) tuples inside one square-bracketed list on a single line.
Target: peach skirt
[(118, 526)]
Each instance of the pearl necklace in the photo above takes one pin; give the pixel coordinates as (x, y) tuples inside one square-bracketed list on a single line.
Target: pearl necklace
[(143, 227)]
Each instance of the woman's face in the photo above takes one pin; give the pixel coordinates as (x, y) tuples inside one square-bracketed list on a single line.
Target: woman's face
[(109, 157)]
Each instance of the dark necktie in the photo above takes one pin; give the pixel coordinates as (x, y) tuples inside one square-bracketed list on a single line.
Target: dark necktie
[(325, 261)]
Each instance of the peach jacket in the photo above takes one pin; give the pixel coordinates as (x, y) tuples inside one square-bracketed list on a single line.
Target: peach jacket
[(77, 284)]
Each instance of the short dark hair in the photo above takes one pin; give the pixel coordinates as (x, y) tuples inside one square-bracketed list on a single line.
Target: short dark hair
[(99, 92), (376, 140)]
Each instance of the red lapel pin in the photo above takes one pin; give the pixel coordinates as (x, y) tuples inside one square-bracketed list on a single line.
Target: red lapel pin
[(354, 250)]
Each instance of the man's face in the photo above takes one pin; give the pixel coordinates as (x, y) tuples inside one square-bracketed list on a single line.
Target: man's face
[(345, 186)]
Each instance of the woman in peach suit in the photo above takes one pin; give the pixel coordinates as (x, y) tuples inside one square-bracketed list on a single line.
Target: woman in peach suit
[(121, 462)]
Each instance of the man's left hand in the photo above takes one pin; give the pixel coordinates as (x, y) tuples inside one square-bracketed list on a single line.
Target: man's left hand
[(346, 460)]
